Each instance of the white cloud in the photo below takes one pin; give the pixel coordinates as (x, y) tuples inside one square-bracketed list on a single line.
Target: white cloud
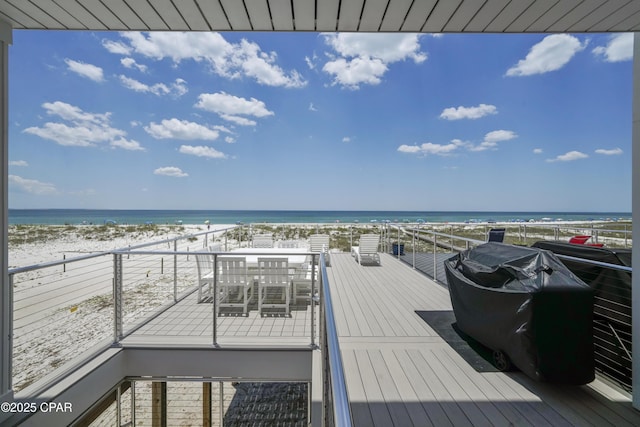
[(311, 62), (429, 148), (461, 112), (230, 60), (202, 151), (537, 151), (242, 121), (352, 73), (233, 108), (116, 47), (312, 107), (551, 54), (126, 144), (346, 139), (82, 130), (568, 157), (229, 139), (491, 140), (619, 48), (364, 58), (388, 47), (223, 103), (177, 88), (222, 128), (18, 163), (83, 69), (612, 152), (500, 135), (31, 185), (180, 129), (131, 63), (170, 171)]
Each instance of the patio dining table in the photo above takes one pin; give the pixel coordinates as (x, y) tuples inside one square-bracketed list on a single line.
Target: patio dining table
[(295, 256)]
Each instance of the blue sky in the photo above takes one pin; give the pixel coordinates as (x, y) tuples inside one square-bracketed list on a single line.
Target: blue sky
[(320, 121)]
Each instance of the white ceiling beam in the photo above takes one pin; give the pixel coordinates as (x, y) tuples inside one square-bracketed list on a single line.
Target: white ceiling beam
[(530, 15), (304, 14), (509, 14), (281, 15), (213, 13), (86, 19), (38, 14), (327, 18), (622, 14), (192, 16), (237, 15), (170, 15), (485, 15), (259, 15), (20, 19), (372, 14), (350, 12), (124, 13), (96, 8), (462, 16), (575, 15), (394, 16), (440, 15)]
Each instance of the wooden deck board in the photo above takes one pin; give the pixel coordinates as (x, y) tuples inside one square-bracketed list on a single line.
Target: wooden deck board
[(400, 372)]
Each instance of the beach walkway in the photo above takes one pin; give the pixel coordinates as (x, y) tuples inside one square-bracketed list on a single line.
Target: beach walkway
[(402, 367)]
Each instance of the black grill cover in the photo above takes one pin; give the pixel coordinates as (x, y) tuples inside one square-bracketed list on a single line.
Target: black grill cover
[(526, 303), (612, 310)]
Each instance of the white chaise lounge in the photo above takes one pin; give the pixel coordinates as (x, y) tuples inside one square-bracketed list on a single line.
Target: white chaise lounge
[(367, 249), (319, 243)]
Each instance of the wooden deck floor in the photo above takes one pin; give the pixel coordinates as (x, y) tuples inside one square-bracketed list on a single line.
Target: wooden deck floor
[(400, 372), (191, 323)]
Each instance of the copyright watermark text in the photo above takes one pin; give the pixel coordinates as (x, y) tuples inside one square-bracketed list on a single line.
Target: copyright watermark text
[(31, 407)]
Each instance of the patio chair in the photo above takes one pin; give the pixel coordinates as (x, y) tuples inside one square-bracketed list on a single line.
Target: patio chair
[(496, 235), (204, 265), (302, 280), (234, 286), (273, 275), (367, 249), (262, 241), (289, 244), (319, 243)]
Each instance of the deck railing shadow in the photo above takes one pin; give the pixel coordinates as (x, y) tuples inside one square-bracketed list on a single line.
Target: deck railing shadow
[(611, 282)]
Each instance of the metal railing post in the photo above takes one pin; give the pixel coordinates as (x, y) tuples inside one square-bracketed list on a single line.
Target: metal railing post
[(221, 396), (119, 404), (117, 297), (175, 271), (398, 241), (350, 236), (312, 296), (132, 387), (215, 300), (413, 245), (435, 261)]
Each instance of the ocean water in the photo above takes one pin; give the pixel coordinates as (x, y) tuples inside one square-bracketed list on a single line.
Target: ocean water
[(98, 216)]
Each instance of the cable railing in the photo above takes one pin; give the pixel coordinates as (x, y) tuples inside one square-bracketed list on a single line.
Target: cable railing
[(69, 310), (64, 308), (338, 411), (611, 283)]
